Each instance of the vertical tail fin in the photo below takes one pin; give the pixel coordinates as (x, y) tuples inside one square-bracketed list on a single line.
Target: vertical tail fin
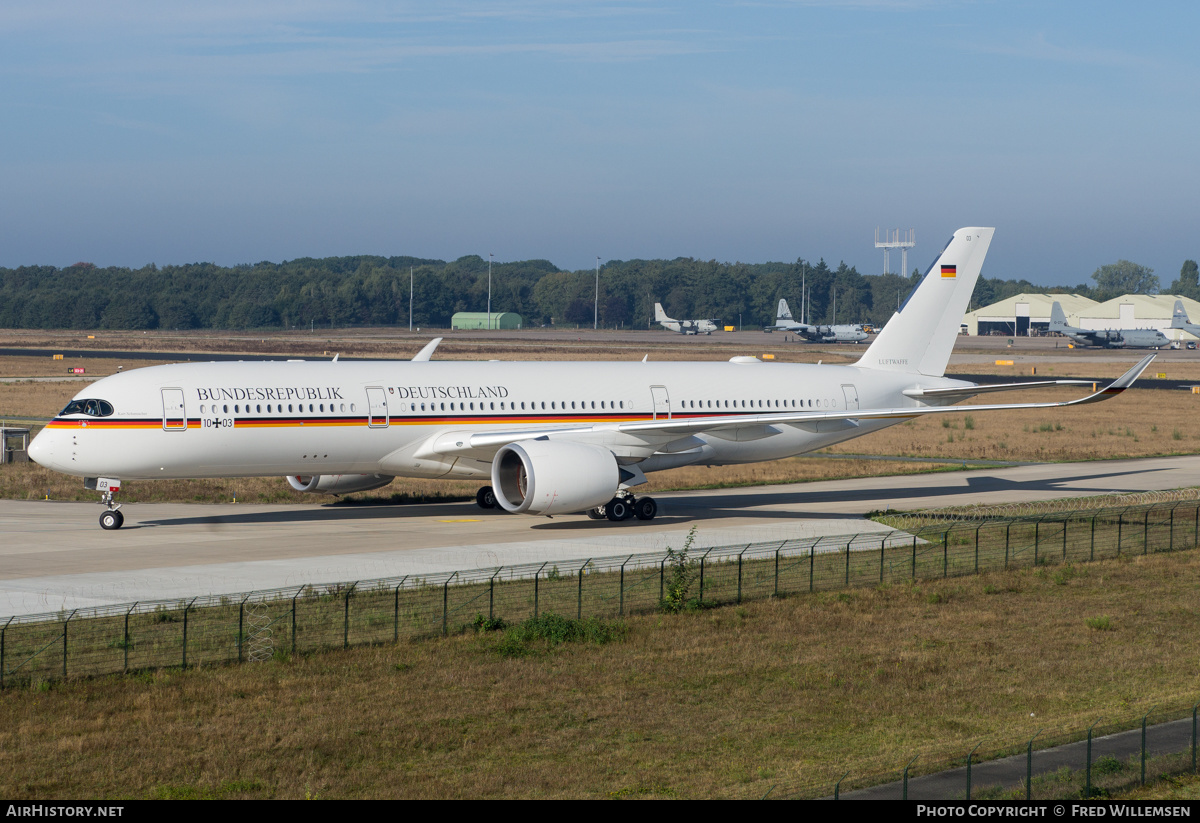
[(1058, 318), (1180, 317), (659, 314), (920, 337), (783, 312)]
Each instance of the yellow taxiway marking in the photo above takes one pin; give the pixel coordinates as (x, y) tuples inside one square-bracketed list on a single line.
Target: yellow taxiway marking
[(464, 520)]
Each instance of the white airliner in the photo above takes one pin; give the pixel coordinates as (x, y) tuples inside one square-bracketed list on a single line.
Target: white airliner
[(552, 438), (684, 326), (842, 333)]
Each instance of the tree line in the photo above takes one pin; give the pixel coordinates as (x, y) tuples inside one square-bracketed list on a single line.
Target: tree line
[(374, 291)]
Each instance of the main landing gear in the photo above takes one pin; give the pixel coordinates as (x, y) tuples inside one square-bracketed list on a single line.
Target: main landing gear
[(625, 506), (621, 507)]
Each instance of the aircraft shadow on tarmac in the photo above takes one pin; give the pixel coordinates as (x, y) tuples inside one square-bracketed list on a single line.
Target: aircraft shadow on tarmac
[(326, 514), (713, 506), (681, 507)]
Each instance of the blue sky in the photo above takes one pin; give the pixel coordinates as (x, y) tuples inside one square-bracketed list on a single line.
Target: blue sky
[(137, 132)]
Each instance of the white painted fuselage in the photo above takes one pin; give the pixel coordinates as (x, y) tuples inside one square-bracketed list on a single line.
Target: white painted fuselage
[(286, 418)]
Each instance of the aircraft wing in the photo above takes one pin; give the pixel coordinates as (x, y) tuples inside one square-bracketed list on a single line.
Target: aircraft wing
[(743, 427), (961, 392)]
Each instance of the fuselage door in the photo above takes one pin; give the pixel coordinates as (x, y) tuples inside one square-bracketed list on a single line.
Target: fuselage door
[(851, 394), (662, 403), (377, 403), (174, 415)]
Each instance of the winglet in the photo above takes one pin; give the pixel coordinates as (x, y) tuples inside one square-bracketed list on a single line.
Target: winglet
[(427, 352), (1126, 380), (1120, 384)]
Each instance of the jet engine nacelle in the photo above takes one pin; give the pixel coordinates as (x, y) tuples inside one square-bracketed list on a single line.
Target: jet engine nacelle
[(338, 483), (547, 477)]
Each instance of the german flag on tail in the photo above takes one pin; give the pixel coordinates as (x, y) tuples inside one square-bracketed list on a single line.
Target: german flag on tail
[(949, 271)]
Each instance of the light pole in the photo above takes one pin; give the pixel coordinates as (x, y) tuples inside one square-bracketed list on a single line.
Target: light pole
[(596, 307), (489, 291)]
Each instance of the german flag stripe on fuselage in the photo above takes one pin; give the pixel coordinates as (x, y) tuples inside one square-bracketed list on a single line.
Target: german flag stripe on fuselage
[(397, 420)]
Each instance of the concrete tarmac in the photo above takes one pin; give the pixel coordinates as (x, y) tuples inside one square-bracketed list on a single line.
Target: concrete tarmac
[(55, 556)]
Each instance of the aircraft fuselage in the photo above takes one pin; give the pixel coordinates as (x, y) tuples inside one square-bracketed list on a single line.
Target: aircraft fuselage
[(288, 418)]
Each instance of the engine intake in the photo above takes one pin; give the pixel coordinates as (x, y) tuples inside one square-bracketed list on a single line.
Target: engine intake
[(547, 477), (337, 483)]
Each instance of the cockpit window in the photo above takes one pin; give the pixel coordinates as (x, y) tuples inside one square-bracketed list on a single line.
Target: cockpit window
[(95, 408)]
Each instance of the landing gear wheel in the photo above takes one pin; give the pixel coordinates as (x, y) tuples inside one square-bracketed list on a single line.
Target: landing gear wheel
[(485, 498), (644, 508), (618, 509), (111, 520), (596, 513)]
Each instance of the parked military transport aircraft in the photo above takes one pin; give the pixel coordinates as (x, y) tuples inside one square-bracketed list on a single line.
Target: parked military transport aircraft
[(552, 438), (1107, 338), (684, 326), (842, 333), (1179, 320)]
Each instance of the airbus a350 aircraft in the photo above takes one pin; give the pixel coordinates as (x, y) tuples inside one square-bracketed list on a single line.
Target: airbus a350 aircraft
[(1106, 338), (815, 334), (552, 438), (684, 326)]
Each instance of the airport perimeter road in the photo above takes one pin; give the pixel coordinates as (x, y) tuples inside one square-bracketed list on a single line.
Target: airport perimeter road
[(54, 555)]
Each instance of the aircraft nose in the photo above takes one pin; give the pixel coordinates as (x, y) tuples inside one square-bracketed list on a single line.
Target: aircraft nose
[(41, 450)]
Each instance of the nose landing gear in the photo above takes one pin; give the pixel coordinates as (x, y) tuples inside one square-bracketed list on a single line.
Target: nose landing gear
[(112, 519), (108, 487)]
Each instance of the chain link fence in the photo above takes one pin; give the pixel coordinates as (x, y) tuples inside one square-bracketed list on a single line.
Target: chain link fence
[(1113, 755)]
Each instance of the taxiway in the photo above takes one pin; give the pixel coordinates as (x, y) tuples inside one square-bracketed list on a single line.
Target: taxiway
[(54, 555)]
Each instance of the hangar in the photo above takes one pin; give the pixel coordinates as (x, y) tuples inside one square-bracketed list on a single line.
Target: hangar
[(1029, 314), (1140, 311), (1020, 314)]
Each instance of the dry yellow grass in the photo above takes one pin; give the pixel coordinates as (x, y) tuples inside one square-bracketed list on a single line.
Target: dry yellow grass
[(33, 400), (1139, 423), (725, 703)]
